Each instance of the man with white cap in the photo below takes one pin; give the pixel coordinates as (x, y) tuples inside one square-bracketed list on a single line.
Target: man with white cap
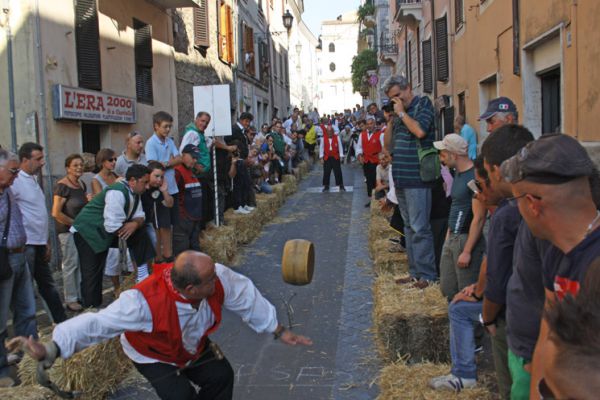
[(464, 245)]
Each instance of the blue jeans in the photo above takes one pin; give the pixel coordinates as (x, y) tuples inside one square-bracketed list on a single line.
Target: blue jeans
[(16, 295), (415, 207), (463, 316)]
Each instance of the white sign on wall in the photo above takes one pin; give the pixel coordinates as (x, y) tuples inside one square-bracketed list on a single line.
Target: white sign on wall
[(214, 99)]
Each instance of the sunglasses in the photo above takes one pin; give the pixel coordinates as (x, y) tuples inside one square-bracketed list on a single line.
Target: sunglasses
[(13, 171), (111, 159)]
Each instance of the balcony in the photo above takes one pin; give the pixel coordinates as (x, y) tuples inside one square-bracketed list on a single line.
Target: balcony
[(167, 4), (387, 45), (409, 12)]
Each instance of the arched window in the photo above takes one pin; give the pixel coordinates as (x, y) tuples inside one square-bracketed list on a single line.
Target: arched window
[(331, 48), (332, 67)]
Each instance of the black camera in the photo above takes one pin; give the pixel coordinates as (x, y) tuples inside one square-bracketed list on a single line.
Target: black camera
[(389, 107)]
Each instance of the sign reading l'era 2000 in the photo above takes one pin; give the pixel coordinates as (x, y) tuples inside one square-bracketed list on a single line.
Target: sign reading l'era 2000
[(90, 105)]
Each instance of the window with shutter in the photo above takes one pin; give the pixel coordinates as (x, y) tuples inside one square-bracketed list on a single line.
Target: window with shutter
[(201, 28), (449, 120), (441, 38), (459, 18), (226, 48), (249, 59), (427, 67), (87, 44), (143, 61)]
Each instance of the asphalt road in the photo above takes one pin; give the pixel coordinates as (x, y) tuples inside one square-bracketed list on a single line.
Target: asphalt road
[(334, 310)]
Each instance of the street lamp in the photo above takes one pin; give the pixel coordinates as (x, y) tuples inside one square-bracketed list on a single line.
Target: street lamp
[(288, 18)]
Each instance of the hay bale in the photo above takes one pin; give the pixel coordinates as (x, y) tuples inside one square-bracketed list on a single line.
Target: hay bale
[(400, 381), (385, 261), (290, 184), (95, 371), (410, 322), (375, 209), (279, 192), (266, 205), (29, 392), (246, 226), (219, 243), (379, 228)]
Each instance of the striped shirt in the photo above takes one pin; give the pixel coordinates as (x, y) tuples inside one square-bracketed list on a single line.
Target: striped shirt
[(16, 232), (405, 164)]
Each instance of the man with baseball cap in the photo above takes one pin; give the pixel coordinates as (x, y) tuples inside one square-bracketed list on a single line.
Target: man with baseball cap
[(464, 245), (551, 184), (500, 111)]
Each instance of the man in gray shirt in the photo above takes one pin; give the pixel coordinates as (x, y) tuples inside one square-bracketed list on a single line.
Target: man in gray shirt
[(133, 153)]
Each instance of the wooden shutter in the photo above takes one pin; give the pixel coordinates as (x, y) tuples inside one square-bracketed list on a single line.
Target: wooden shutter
[(143, 61), (427, 67), (458, 14), (201, 27), (449, 120), (441, 38), (230, 47), (143, 43), (87, 44)]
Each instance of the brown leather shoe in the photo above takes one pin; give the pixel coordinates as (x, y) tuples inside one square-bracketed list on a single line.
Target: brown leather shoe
[(408, 279), (421, 284)]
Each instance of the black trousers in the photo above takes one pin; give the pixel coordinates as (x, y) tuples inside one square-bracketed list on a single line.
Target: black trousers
[(370, 171), (242, 185), (41, 273), (215, 379), (92, 264), (332, 164)]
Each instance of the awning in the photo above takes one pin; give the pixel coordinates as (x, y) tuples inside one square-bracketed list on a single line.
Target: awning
[(174, 3)]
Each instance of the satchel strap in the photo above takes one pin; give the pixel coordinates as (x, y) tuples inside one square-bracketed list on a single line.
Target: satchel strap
[(7, 224)]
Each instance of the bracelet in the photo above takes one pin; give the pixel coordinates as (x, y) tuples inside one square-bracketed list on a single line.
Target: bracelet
[(473, 295), (492, 322), (278, 332)]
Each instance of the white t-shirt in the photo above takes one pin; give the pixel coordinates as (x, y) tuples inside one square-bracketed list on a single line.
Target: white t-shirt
[(32, 202)]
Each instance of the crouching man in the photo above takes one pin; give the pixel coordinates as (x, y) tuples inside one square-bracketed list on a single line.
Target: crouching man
[(164, 323)]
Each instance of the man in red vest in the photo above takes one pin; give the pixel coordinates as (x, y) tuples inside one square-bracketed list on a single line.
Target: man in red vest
[(164, 323), (368, 147), (330, 153)]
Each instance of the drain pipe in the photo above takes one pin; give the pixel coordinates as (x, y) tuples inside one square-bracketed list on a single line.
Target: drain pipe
[(11, 80)]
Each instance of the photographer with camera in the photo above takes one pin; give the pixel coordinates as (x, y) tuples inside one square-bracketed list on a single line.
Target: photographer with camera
[(411, 130)]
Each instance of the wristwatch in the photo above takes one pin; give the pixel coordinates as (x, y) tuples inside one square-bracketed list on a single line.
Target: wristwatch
[(401, 114), (486, 324), (278, 332)]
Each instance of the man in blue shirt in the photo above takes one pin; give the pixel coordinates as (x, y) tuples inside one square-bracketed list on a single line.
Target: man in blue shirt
[(467, 132), (413, 120), (160, 147)]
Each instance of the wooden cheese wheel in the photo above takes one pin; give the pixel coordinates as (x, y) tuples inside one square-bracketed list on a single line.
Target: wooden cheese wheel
[(298, 262)]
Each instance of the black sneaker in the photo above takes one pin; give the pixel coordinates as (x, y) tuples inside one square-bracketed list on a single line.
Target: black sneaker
[(325, 189)]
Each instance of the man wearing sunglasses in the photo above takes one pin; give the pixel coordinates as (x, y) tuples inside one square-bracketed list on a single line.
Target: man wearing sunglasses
[(552, 181)]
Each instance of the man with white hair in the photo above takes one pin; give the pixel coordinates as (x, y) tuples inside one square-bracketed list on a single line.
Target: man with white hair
[(500, 111)]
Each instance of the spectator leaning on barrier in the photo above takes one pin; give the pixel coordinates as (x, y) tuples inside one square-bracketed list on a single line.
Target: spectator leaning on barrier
[(16, 291), (502, 144), (464, 245), (32, 202), (550, 182), (413, 120)]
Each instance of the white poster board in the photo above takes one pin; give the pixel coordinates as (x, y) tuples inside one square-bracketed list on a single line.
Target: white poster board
[(214, 99)]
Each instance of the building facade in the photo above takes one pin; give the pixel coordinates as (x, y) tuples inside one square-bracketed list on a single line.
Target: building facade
[(83, 74), (339, 45)]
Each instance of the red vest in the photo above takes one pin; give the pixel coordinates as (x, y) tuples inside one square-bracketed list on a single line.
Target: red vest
[(335, 147), (371, 148), (165, 343)]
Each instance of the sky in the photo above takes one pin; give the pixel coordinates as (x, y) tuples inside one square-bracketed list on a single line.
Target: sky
[(316, 11)]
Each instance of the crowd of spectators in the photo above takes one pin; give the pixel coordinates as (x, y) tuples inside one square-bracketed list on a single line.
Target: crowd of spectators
[(509, 228)]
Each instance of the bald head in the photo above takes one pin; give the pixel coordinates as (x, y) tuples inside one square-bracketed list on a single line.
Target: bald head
[(192, 269)]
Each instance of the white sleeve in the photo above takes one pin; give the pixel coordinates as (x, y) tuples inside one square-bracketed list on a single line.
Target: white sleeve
[(391, 194), (130, 312), (190, 137), (322, 148), (382, 140), (139, 211), (340, 147), (114, 212), (358, 147), (243, 298)]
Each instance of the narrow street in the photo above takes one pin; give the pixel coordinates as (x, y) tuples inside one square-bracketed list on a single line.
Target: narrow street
[(334, 310)]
